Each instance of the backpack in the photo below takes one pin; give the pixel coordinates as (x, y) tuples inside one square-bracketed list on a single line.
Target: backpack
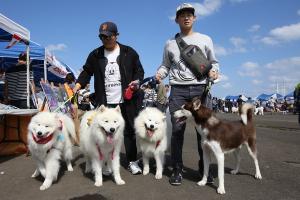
[(194, 58)]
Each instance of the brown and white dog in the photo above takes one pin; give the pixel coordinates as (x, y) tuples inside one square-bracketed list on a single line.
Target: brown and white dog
[(220, 137)]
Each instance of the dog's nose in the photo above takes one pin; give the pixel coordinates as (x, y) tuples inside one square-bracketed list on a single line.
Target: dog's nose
[(152, 126), (39, 133), (112, 130)]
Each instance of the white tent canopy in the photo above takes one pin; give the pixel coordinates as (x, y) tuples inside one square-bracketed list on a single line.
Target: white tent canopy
[(13, 28), (8, 29)]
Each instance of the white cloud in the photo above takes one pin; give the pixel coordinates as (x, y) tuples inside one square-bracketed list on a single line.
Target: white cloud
[(254, 28), (220, 51), (238, 44), (283, 34), (249, 69), (226, 85), (256, 81), (208, 7), (269, 40), (223, 77), (285, 72), (56, 47)]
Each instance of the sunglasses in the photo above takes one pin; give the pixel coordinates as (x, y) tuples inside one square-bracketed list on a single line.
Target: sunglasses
[(105, 37)]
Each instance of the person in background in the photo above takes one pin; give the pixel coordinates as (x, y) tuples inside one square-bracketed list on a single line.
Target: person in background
[(297, 100), (70, 80), (240, 102), (16, 80), (184, 85), (2, 85), (117, 72)]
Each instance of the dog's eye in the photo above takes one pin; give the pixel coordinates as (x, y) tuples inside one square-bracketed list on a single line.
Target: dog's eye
[(115, 121), (156, 122), (46, 126), (106, 121), (39, 124), (150, 120)]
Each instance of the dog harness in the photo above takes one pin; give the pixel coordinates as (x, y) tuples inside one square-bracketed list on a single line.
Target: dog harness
[(157, 144), (101, 157)]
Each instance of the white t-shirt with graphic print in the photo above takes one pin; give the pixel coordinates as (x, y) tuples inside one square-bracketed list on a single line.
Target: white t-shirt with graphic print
[(112, 80)]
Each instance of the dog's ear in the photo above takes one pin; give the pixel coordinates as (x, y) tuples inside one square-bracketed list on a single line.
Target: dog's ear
[(101, 108), (118, 109), (196, 104)]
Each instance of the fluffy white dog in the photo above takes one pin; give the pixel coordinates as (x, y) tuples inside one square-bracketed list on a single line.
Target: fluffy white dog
[(101, 138), (151, 128), (259, 111), (48, 142)]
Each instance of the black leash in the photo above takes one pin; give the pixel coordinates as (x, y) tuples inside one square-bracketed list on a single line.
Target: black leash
[(207, 88)]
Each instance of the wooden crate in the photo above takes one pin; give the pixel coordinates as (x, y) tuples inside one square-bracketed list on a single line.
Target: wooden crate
[(13, 134)]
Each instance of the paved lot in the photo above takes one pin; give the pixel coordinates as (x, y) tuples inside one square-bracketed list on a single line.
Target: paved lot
[(279, 158)]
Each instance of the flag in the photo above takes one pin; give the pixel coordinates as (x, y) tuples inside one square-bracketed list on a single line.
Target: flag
[(56, 67), (14, 40)]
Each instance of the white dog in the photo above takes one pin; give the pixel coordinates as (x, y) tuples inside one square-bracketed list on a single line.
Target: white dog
[(220, 137), (101, 138), (48, 142), (235, 109), (259, 111), (151, 128)]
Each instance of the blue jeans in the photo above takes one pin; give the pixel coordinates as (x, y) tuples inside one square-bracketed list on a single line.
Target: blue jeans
[(179, 95)]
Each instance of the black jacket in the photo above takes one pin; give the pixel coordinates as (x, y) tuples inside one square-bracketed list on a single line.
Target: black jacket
[(130, 69)]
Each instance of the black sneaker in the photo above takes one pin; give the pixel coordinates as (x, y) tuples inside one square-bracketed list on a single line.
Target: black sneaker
[(210, 179), (176, 177)]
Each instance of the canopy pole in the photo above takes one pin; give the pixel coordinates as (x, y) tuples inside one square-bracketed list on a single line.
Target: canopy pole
[(45, 66), (28, 76)]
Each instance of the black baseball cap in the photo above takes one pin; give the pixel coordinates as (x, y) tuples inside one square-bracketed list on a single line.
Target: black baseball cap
[(108, 29)]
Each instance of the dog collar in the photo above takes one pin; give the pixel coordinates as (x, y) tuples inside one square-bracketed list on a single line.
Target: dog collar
[(42, 140)]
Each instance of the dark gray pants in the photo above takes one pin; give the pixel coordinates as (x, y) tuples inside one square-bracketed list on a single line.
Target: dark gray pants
[(179, 95)]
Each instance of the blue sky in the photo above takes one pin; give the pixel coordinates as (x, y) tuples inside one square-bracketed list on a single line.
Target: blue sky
[(257, 42)]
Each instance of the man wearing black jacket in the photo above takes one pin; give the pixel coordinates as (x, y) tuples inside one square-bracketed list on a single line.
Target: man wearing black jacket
[(116, 67)]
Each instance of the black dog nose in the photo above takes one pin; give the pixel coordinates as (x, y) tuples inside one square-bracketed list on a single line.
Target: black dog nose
[(39, 133), (152, 126), (112, 130)]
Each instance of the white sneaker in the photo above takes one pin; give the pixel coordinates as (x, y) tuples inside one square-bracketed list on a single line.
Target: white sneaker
[(134, 168)]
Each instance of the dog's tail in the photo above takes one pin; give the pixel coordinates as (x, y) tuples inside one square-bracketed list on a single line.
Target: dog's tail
[(246, 113)]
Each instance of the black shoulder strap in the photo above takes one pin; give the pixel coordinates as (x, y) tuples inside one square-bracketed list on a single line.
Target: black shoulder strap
[(180, 42)]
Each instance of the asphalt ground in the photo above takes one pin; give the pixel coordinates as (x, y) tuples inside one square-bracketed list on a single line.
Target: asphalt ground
[(278, 141)]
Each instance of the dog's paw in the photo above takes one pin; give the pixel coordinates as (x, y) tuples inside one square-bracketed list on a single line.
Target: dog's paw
[(146, 171), (234, 171), (70, 168), (202, 183), (158, 176), (98, 183), (258, 176), (120, 182), (44, 187), (221, 190)]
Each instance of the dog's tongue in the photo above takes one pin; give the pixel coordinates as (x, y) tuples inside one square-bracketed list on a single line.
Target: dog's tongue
[(109, 139), (150, 132)]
